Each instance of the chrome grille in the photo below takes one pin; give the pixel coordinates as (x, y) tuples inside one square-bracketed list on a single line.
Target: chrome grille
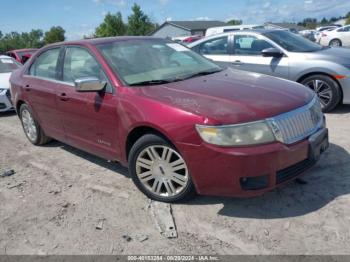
[(298, 124)]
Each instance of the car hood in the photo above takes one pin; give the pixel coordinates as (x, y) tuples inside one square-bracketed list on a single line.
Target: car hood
[(336, 54), (231, 96), (4, 80)]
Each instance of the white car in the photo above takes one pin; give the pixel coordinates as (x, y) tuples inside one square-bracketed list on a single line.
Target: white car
[(224, 29), (336, 37), (7, 65)]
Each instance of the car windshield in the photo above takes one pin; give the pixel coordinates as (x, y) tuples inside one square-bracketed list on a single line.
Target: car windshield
[(154, 61), (292, 42), (7, 65)]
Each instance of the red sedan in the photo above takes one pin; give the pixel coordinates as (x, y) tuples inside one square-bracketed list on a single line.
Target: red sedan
[(181, 123), (21, 55)]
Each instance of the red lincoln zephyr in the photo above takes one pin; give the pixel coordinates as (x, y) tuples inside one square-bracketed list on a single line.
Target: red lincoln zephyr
[(181, 123)]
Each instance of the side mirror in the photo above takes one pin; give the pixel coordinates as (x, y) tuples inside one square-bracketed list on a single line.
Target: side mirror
[(89, 84), (272, 52)]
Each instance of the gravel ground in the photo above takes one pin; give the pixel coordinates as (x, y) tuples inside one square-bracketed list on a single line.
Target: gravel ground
[(58, 195)]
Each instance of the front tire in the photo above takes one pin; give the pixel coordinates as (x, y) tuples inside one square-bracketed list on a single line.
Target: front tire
[(159, 171), (326, 89), (31, 127), (335, 43)]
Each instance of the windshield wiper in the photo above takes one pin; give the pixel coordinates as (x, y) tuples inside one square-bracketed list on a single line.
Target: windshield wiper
[(153, 82), (203, 73), (171, 80)]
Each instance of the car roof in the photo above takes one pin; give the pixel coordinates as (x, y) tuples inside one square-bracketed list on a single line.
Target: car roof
[(23, 50), (104, 40), (256, 31)]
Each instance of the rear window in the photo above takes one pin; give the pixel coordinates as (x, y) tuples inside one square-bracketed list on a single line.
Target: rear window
[(7, 65), (45, 64)]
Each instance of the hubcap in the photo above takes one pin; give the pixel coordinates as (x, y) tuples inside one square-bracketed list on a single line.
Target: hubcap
[(29, 125), (323, 91), (162, 171), (335, 43)]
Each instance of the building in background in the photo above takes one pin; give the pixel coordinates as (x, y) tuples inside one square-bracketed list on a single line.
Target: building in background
[(171, 29)]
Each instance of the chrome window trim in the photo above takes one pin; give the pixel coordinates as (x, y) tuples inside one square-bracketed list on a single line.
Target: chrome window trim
[(49, 80)]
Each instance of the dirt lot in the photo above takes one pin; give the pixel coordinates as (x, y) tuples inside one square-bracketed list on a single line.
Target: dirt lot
[(58, 194)]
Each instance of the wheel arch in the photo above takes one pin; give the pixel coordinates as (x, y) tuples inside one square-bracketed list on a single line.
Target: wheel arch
[(303, 77), (137, 132), (330, 41), (18, 106)]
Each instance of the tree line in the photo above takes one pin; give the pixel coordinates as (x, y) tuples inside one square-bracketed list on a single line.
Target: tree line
[(312, 23), (138, 23), (33, 39)]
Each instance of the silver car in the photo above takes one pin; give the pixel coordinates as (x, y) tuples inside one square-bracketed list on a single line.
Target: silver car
[(287, 55)]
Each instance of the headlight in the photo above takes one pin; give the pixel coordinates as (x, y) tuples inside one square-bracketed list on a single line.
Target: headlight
[(237, 135), (2, 90)]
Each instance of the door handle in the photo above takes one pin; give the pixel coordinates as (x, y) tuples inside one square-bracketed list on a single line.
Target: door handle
[(27, 88), (237, 62), (63, 97)]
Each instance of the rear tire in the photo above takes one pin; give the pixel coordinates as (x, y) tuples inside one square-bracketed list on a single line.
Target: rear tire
[(335, 43), (31, 127), (326, 88), (159, 171)]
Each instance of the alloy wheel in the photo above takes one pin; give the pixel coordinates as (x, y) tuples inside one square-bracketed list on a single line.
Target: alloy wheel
[(29, 125), (162, 171), (335, 43), (322, 89)]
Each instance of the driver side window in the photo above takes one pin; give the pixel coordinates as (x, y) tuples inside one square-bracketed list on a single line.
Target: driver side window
[(249, 45), (79, 63)]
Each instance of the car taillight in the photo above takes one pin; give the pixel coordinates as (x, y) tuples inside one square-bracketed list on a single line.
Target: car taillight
[(323, 35)]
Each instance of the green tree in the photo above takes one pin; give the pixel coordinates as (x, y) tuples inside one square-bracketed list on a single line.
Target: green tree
[(309, 23), (324, 21), (33, 39), (234, 22), (55, 34), (139, 23), (112, 25)]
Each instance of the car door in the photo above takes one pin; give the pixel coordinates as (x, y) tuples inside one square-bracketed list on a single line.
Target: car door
[(90, 119), (40, 87), (247, 56), (217, 49)]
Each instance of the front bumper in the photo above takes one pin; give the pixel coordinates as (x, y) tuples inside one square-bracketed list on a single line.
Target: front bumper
[(250, 171), (5, 101)]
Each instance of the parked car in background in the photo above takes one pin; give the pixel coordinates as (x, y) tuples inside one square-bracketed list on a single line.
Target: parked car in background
[(336, 37), (180, 122), (187, 39), (309, 34), (287, 55), (7, 65), (321, 29), (328, 27), (230, 28), (21, 55), (192, 39)]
